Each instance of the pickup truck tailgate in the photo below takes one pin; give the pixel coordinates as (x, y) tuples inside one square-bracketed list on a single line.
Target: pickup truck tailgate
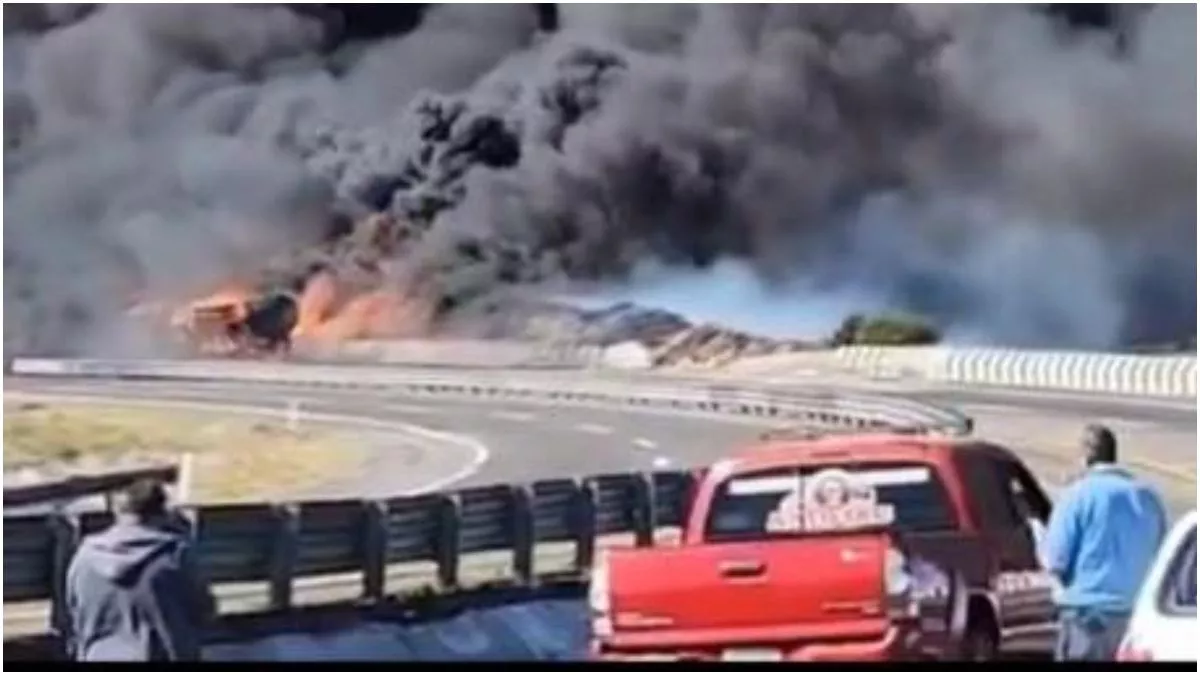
[(786, 589)]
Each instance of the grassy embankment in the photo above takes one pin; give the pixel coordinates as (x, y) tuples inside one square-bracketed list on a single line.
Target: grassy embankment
[(237, 458)]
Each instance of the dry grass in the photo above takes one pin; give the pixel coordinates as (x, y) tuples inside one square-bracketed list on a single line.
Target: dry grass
[(237, 458)]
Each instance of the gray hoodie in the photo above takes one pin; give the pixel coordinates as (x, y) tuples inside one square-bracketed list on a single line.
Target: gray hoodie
[(134, 594)]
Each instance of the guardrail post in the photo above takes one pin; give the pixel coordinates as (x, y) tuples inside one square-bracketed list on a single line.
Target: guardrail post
[(523, 534), (283, 555), (446, 543), (584, 521), (643, 510), (375, 532), (65, 533)]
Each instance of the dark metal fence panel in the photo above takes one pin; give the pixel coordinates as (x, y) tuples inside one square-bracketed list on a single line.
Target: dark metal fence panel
[(412, 526), (28, 558), (330, 538), (236, 542), (553, 501), (258, 542), (485, 518), (672, 494), (614, 495)]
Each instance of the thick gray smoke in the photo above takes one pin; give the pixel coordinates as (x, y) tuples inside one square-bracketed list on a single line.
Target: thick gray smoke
[(983, 166)]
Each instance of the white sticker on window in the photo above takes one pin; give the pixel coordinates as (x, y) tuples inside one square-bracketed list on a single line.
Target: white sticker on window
[(832, 500), (887, 477), (767, 485)]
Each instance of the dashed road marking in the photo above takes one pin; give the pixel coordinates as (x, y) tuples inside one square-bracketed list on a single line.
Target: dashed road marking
[(598, 429), (409, 409), (644, 444), (512, 415)]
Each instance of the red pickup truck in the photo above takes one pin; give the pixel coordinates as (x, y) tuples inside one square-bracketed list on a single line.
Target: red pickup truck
[(890, 547)]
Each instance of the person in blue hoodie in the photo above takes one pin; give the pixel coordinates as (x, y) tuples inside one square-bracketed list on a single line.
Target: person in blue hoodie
[(133, 591), (1104, 533)]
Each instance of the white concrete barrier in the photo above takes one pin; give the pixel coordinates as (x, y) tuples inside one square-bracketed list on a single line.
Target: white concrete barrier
[(1172, 376)]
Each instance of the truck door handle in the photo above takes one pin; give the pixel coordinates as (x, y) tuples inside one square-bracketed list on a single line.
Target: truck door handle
[(742, 568)]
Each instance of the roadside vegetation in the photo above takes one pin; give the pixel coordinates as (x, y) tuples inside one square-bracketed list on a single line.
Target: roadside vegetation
[(236, 458), (885, 331)]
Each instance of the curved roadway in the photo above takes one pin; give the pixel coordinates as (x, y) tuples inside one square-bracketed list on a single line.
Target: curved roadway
[(529, 441)]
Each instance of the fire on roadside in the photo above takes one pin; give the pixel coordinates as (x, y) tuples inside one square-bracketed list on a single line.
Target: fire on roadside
[(236, 320)]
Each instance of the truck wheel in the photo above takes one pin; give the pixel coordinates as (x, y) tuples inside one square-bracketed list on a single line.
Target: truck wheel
[(979, 644)]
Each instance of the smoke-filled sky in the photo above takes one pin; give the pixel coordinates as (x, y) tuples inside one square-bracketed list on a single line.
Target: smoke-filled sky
[(984, 166)]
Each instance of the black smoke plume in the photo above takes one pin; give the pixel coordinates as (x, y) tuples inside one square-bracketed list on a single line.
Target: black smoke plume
[(1015, 180)]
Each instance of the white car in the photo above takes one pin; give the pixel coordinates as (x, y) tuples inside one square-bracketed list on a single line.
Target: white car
[(1163, 626)]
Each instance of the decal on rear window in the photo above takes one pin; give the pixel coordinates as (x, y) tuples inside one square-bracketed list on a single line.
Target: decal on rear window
[(900, 496), (831, 500)]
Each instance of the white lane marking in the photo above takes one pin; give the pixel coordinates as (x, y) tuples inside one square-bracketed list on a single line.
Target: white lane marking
[(293, 415), (996, 409), (598, 429), (644, 444), (479, 452), (405, 408), (512, 416)]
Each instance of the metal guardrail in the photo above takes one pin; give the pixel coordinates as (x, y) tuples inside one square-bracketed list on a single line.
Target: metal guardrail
[(75, 487), (277, 544), (823, 409)]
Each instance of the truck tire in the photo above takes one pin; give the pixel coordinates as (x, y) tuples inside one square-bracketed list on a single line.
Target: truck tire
[(979, 644), (980, 641)]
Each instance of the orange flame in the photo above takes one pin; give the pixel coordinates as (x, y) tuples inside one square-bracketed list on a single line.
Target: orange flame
[(316, 304), (328, 311), (376, 314)]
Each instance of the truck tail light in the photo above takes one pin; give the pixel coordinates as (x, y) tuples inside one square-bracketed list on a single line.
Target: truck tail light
[(600, 598), (1131, 652)]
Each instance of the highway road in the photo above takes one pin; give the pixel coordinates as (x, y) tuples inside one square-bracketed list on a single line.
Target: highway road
[(524, 441)]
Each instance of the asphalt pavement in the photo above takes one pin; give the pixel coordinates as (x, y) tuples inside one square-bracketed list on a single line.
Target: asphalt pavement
[(527, 441)]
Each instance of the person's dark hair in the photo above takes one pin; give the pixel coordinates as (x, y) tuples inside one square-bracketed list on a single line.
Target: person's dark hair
[(1099, 445), (143, 499)]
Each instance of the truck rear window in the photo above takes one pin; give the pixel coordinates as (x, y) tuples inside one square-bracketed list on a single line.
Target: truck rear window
[(900, 497)]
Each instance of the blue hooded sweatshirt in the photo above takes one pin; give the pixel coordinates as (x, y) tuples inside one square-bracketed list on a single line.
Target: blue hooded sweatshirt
[(134, 594), (1104, 534)]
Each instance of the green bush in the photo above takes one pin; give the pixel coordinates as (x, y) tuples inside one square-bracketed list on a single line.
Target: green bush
[(884, 330)]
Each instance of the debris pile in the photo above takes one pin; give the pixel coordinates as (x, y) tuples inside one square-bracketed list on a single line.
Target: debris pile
[(669, 338)]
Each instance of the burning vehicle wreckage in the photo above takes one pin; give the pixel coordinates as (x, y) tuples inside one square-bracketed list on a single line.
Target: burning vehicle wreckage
[(315, 316), (240, 327)]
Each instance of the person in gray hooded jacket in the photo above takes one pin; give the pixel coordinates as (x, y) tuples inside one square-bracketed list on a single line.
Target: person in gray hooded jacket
[(133, 591)]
